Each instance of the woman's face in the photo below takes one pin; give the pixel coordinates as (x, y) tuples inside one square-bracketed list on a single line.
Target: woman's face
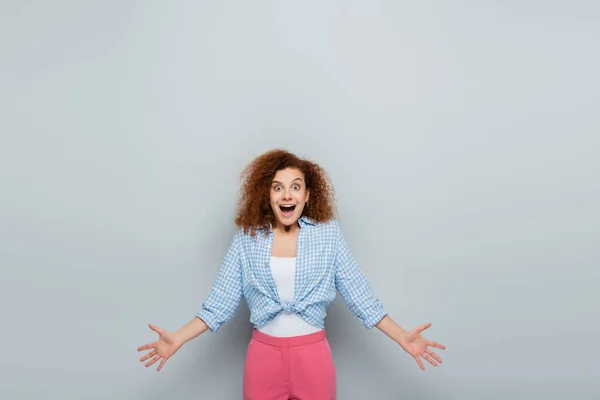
[(288, 196)]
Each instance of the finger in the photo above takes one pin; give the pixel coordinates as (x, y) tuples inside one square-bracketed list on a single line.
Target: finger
[(435, 356), (155, 328), (418, 360), (162, 362), (423, 327), (147, 356), (147, 346), (155, 359), (431, 360), (434, 344)]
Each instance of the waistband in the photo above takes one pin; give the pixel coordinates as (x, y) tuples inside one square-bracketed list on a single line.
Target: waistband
[(288, 341)]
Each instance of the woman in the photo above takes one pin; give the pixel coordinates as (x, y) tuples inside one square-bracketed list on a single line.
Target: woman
[(288, 259)]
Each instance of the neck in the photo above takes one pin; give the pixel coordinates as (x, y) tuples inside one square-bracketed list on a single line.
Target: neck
[(287, 230)]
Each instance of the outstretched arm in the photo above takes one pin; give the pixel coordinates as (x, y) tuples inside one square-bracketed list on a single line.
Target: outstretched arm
[(220, 306), (352, 284), (194, 328)]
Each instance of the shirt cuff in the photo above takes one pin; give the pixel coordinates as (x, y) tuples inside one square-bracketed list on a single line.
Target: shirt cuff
[(207, 317), (374, 318)]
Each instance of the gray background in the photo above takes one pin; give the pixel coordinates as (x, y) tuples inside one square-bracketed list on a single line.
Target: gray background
[(462, 138)]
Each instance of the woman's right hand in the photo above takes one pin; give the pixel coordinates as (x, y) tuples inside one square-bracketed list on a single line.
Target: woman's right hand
[(162, 349)]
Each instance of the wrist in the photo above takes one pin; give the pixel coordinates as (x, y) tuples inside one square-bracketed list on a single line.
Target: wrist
[(399, 335), (178, 338), (391, 329)]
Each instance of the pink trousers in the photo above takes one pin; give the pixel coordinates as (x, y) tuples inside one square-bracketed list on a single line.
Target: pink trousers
[(296, 368)]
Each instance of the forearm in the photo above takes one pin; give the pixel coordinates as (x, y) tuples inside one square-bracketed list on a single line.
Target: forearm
[(192, 329), (390, 328)]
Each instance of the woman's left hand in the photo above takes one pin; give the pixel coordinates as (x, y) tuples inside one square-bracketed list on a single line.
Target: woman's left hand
[(417, 346)]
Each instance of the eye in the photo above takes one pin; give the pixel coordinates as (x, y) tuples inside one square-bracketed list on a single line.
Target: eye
[(276, 188), (297, 187)]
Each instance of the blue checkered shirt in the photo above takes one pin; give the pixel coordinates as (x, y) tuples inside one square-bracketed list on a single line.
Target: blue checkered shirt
[(324, 265)]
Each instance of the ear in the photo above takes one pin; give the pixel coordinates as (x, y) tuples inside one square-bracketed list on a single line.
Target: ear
[(307, 195)]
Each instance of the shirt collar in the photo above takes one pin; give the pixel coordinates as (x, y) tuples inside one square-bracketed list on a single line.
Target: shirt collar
[(304, 220)]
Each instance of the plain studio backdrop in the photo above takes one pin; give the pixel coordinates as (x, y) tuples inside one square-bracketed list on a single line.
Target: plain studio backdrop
[(462, 139)]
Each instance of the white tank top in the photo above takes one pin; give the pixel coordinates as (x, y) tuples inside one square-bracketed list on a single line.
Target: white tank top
[(287, 323)]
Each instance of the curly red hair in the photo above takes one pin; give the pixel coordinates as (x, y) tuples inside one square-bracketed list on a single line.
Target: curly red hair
[(254, 208)]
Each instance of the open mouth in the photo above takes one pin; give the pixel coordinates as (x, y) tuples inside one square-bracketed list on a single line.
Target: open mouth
[(287, 210)]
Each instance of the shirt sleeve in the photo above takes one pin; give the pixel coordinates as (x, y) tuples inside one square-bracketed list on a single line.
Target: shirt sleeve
[(226, 294), (354, 287)]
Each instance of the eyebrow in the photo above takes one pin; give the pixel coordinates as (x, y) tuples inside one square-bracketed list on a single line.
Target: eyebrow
[(297, 179)]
